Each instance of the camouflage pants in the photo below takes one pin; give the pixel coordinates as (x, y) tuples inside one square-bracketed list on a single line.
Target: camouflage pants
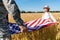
[(4, 37), (4, 34)]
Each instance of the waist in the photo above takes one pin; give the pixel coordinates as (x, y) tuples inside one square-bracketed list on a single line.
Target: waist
[(3, 22), (1, 4), (45, 17)]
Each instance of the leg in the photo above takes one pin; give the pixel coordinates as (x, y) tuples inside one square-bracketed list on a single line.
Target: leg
[(7, 37)]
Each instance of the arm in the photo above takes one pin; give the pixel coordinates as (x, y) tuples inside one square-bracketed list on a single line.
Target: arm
[(53, 19), (12, 8)]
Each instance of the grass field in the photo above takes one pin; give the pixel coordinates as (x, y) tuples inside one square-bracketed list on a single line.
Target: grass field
[(48, 33)]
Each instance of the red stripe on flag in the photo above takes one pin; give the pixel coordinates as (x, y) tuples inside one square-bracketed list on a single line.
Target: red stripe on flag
[(47, 20), (33, 23), (38, 22), (42, 22)]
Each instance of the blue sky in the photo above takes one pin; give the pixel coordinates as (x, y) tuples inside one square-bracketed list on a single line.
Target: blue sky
[(37, 5)]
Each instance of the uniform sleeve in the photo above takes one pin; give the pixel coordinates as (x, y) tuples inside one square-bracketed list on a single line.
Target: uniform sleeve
[(13, 9)]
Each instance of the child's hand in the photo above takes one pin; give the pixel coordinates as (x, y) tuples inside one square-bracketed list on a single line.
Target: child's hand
[(23, 29)]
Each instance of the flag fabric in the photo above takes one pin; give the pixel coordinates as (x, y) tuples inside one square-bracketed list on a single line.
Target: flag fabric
[(31, 25)]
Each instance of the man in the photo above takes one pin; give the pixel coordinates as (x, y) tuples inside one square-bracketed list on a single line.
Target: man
[(9, 6)]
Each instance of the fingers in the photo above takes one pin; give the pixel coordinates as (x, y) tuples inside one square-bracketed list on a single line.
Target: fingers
[(23, 29)]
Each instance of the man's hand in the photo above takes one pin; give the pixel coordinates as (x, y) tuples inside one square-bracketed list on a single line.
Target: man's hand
[(23, 29)]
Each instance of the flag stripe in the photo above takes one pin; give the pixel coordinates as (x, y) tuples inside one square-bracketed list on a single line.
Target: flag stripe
[(31, 25), (35, 23)]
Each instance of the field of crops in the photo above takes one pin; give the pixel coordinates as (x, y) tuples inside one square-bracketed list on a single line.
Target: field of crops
[(48, 33)]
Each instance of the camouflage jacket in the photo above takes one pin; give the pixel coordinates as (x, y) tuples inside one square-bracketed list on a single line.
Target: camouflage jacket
[(9, 6)]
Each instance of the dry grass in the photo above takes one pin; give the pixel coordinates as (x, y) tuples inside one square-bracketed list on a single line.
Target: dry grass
[(48, 33)]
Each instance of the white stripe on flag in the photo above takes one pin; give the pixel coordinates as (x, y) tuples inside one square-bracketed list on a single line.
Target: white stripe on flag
[(46, 21), (31, 22), (35, 23), (40, 22)]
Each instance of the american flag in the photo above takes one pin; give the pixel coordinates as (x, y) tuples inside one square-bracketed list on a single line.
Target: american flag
[(32, 25)]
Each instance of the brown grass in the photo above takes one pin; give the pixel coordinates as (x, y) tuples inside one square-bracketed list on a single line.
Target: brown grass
[(48, 33)]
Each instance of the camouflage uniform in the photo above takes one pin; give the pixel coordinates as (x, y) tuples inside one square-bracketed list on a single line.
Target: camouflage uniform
[(8, 6)]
